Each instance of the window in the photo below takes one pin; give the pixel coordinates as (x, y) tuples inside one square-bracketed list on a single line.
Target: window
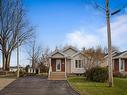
[(78, 64), (122, 65)]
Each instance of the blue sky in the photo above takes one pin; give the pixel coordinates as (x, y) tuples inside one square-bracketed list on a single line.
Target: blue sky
[(74, 22), (60, 22)]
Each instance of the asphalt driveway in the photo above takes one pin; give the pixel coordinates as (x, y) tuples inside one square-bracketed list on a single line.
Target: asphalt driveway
[(37, 86)]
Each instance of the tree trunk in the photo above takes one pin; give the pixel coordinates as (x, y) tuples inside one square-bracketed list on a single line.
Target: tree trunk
[(6, 59), (4, 55), (3, 60), (7, 64)]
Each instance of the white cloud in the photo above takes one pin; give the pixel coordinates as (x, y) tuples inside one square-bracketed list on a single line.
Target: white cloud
[(119, 31), (82, 38)]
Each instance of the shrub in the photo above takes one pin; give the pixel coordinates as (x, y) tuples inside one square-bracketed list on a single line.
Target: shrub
[(22, 73), (26, 68), (43, 68), (97, 74), (3, 72), (120, 74)]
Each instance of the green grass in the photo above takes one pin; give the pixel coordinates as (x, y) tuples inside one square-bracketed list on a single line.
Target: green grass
[(85, 87)]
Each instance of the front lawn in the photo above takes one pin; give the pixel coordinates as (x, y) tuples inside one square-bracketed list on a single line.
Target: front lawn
[(93, 88)]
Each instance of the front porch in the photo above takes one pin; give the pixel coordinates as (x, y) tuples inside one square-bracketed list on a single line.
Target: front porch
[(57, 69), (120, 65)]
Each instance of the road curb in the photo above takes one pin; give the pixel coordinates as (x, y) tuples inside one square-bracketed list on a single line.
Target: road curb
[(72, 87)]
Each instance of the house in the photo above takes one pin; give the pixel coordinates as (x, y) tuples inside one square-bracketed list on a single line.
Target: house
[(65, 62), (106, 58), (14, 68), (32, 70), (119, 60)]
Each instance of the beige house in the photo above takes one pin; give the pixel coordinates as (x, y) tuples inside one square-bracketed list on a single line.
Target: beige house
[(65, 62)]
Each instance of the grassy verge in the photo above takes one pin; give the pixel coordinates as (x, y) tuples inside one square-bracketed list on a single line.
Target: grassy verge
[(92, 88)]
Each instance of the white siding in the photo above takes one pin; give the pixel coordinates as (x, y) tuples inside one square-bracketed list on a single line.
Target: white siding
[(125, 56), (74, 69), (68, 66)]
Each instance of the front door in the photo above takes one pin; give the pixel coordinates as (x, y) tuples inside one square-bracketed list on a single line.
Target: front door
[(58, 65)]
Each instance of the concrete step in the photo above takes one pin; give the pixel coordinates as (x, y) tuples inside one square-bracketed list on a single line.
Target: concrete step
[(58, 73), (57, 76)]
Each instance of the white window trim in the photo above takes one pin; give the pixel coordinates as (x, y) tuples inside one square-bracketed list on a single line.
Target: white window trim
[(122, 62), (81, 63)]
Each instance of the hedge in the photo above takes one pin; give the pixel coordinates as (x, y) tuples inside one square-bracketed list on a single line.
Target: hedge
[(97, 74)]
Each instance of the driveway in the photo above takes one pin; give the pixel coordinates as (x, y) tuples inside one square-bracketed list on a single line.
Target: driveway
[(37, 86)]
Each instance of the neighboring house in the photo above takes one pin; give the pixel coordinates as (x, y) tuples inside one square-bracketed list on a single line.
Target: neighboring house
[(106, 58), (34, 68), (31, 69), (14, 68), (119, 60), (65, 62)]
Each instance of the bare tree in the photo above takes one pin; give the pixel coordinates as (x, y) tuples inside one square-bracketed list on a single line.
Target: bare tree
[(34, 54), (14, 30), (38, 57), (114, 48), (44, 60), (93, 57)]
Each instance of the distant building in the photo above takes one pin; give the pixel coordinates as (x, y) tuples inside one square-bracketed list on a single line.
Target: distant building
[(14, 68), (30, 69)]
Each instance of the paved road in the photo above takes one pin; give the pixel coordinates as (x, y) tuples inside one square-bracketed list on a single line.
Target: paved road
[(37, 86)]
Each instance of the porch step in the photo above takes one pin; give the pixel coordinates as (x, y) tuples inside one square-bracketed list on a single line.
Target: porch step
[(57, 76)]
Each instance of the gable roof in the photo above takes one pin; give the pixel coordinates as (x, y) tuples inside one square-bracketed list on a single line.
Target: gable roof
[(79, 52), (57, 51), (120, 54), (70, 47), (114, 53)]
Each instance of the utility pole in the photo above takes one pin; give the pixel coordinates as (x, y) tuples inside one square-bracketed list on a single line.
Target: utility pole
[(17, 58), (110, 80)]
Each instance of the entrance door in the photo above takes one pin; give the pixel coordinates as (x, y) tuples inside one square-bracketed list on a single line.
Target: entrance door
[(58, 65), (116, 65)]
